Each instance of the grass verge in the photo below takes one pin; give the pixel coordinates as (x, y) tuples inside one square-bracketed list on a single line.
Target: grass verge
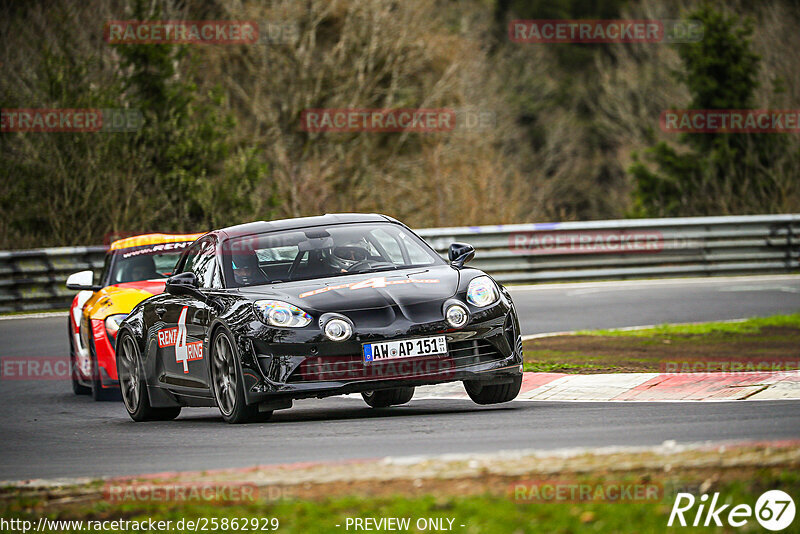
[(471, 514), (493, 493)]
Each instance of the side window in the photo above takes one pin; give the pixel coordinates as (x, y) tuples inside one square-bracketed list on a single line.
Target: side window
[(216, 278), (191, 256), (165, 263), (201, 261)]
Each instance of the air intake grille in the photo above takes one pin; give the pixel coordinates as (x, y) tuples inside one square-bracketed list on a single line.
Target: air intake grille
[(461, 354)]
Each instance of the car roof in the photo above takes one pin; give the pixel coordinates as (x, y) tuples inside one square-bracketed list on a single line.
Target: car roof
[(329, 219), (151, 239)]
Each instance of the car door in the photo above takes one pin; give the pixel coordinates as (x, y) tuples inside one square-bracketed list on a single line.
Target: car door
[(186, 318)]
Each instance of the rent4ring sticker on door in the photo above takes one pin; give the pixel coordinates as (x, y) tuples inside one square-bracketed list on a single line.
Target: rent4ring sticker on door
[(184, 352)]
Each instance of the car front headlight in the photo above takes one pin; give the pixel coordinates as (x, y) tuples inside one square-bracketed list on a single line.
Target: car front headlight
[(112, 325), (482, 292), (278, 313)]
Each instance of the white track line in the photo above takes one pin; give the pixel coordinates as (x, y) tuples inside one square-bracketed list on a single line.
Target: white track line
[(624, 284), (39, 315)]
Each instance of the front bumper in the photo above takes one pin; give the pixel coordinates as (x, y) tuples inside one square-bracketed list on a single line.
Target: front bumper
[(105, 354), (489, 351)]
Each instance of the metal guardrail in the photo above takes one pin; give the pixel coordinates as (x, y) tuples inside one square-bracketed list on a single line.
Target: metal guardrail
[(520, 253), (35, 279), (631, 248)]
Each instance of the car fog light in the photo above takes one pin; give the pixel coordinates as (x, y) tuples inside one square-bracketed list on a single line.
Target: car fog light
[(456, 315), (338, 330)]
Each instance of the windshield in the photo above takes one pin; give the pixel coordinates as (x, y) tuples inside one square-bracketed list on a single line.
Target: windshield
[(323, 252), (145, 263)]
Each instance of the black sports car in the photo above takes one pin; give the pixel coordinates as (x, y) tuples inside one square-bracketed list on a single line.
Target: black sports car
[(260, 314)]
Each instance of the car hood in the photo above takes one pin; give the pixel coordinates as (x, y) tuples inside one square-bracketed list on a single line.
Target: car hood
[(121, 298), (402, 288)]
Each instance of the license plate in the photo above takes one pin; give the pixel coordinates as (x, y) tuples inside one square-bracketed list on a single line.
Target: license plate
[(404, 348)]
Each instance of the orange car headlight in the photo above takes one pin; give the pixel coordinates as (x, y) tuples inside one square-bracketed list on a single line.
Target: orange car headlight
[(112, 325)]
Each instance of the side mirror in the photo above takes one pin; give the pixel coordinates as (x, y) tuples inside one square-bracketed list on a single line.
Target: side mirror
[(460, 253), (82, 281), (187, 284), (183, 284)]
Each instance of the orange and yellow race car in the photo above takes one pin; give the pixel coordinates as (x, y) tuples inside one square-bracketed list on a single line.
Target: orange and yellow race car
[(135, 268)]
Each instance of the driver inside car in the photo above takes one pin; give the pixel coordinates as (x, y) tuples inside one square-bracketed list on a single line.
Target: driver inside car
[(246, 270), (140, 268), (320, 256), (345, 257)]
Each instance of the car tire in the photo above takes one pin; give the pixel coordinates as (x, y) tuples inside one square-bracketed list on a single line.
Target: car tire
[(384, 398), (227, 383), (133, 386), (77, 387), (99, 393), (493, 393)]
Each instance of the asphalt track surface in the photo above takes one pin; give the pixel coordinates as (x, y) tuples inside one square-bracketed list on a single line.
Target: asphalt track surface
[(47, 432), (578, 306)]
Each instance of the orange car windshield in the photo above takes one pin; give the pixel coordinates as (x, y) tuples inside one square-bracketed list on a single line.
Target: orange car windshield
[(144, 263)]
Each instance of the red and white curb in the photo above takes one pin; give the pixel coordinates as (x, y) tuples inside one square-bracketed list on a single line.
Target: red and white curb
[(642, 387)]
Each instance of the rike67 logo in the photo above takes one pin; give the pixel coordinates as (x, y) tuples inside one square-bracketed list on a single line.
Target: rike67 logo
[(176, 336), (774, 510)]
